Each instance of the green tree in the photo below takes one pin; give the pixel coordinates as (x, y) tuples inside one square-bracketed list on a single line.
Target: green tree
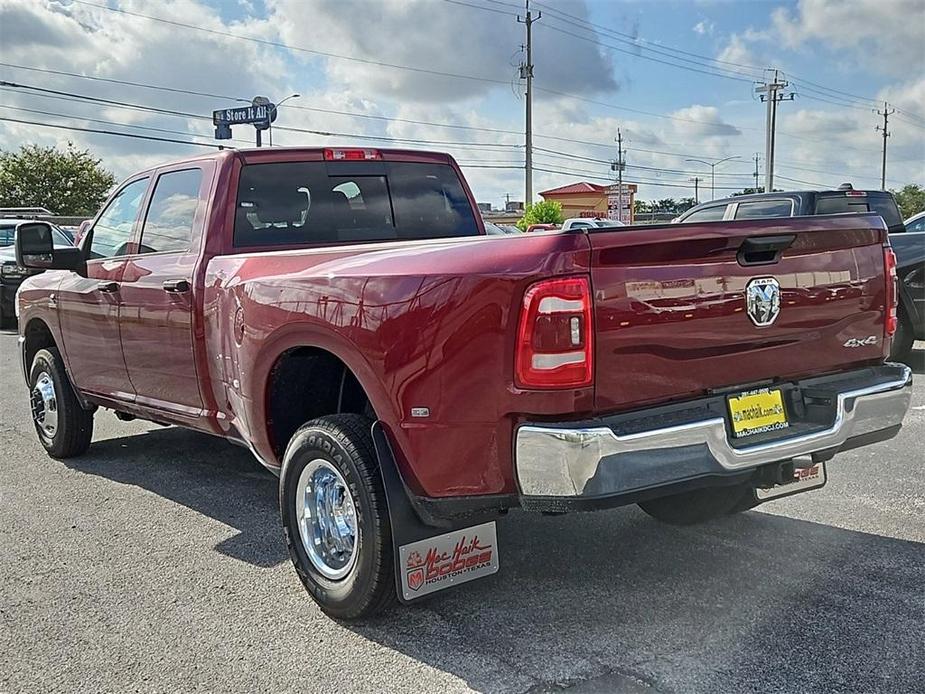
[(69, 182), (545, 212), (911, 199)]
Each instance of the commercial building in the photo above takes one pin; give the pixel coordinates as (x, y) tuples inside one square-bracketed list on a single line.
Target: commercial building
[(584, 199)]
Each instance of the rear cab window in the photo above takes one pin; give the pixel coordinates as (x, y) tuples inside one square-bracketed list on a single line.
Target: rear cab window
[(757, 209), (862, 201), (322, 202)]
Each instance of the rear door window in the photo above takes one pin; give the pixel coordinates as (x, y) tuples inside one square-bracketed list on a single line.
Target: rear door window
[(708, 214), (764, 208), (294, 203), (169, 223)]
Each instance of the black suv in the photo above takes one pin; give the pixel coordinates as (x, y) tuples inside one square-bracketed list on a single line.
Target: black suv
[(909, 248)]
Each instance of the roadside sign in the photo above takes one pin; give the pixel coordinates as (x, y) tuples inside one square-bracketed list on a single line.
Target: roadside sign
[(618, 203), (258, 115)]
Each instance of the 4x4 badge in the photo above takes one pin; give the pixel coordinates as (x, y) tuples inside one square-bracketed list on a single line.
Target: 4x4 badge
[(762, 300)]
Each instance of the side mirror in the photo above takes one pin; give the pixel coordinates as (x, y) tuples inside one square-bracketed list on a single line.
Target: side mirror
[(35, 248)]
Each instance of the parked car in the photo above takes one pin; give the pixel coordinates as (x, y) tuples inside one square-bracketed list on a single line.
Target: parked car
[(541, 227), (341, 313), (589, 223), (916, 222), (11, 273), (910, 252)]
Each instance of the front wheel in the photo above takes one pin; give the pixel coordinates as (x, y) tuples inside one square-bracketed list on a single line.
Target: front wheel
[(64, 428), (700, 505), (335, 517)]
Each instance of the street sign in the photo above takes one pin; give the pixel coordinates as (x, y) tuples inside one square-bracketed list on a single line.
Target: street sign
[(258, 115)]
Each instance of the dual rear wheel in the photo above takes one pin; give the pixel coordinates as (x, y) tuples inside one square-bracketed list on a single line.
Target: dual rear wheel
[(335, 516)]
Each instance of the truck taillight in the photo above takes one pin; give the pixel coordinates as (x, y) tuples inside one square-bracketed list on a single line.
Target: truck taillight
[(352, 154), (889, 263), (555, 337)]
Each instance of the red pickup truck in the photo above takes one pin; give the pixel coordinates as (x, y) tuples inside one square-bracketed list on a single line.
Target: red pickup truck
[(341, 313)]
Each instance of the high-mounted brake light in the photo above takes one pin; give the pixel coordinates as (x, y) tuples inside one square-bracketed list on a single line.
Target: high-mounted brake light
[(856, 194), (352, 154), (555, 336), (890, 321)]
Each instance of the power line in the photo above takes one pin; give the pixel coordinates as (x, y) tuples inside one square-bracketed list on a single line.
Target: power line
[(279, 44), (301, 49), (106, 122), (185, 114), (135, 136)]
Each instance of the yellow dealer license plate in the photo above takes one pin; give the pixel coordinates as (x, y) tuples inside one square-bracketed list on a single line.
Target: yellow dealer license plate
[(757, 411)]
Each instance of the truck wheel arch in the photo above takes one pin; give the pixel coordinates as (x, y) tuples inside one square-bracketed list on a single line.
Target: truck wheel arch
[(313, 377), (37, 335)]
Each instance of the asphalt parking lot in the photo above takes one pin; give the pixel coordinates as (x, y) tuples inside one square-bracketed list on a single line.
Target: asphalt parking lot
[(155, 563)]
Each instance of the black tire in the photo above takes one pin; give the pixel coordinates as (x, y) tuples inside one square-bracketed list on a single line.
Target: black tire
[(700, 505), (901, 349), (345, 443), (73, 430)]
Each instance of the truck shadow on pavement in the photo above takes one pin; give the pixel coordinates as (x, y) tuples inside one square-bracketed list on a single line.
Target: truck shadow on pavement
[(609, 601), (615, 601), (203, 473)]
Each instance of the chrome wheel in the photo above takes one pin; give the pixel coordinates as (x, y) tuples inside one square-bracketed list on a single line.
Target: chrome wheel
[(45, 405), (327, 519)]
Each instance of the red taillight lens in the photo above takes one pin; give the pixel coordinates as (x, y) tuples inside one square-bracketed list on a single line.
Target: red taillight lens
[(351, 154), (889, 264), (555, 337)]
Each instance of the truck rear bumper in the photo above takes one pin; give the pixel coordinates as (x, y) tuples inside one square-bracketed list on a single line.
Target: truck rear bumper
[(641, 452)]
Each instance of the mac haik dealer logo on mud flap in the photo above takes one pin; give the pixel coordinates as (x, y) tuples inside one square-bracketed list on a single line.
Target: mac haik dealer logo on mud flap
[(448, 560)]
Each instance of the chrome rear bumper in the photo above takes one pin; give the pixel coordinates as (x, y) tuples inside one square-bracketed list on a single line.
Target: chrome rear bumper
[(592, 461)]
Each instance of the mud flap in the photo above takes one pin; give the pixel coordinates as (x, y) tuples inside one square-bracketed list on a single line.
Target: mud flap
[(429, 559)]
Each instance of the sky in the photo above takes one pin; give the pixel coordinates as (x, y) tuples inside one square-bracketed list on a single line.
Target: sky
[(676, 78)]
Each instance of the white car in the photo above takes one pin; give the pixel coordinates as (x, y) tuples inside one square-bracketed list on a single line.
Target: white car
[(589, 223), (916, 222)]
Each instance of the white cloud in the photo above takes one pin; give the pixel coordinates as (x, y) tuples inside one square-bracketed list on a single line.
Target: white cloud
[(737, 51), (886, 34), (445, 38), (704, 27)]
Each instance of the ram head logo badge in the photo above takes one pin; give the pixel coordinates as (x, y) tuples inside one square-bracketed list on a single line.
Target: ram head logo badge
[(762, 300)]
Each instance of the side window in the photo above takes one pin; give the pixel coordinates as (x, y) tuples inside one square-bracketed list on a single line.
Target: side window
[(708, 214), (113, 230), (169, 222), (917, 225), (764, 208)]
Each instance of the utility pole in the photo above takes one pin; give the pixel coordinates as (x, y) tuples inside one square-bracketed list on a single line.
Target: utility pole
[(772, 98), (696, 180), (886, 113), (756, 172), (618, 165), (526, 72)]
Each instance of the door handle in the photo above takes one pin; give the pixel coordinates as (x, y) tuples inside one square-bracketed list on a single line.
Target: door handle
[(176, 286), (108, 287)]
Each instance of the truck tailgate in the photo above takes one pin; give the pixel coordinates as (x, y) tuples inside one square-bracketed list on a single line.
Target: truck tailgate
[(671, 314)]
